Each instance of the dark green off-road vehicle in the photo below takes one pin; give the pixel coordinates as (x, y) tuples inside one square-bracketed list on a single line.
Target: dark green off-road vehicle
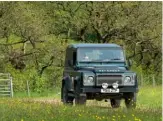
[(98, 71)]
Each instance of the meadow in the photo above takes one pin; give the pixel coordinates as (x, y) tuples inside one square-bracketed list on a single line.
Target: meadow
[(49, 108)]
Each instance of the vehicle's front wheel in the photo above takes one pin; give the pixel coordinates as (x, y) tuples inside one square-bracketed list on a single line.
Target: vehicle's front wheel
[(80, 98), (130, 100), (66, 99), (115, 103)]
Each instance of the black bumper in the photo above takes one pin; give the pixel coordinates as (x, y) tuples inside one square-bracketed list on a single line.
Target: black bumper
[(98, 90)]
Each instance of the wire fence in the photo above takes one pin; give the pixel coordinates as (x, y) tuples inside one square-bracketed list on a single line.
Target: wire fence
[(144, 80), (6, 84)]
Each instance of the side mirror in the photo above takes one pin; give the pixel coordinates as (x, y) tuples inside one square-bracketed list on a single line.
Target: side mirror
[(129, 63), (70, 62)]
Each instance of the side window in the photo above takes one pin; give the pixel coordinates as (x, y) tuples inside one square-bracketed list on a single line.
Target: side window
[(74, 58)]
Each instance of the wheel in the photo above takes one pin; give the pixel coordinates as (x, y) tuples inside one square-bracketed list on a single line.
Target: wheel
[(80, 98), (115, 103), (130, 100), (65, 98)]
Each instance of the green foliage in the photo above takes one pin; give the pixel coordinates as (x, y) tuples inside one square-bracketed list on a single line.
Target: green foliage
[(20, 79), (34, 36)]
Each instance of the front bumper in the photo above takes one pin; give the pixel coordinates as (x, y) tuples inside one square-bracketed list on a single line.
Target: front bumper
[(98, 90)]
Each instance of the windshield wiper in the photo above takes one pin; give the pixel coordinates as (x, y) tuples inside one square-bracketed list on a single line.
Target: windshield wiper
[(116, 59)]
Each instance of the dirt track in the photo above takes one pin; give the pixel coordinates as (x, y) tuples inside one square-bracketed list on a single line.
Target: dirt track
[(44, 100), (56, 101)]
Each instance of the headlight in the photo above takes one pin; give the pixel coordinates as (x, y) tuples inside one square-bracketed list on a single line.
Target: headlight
[(129, 80), (88, 80)]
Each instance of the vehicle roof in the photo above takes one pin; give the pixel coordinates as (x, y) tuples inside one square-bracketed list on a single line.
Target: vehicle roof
[(93, 45)]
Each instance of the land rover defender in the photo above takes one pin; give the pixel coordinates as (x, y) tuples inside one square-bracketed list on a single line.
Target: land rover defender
[(98, 71)]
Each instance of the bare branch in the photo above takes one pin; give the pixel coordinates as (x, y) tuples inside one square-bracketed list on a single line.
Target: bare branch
[(13, 43)]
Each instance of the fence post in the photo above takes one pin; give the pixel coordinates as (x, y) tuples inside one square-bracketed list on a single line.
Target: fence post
[(141, 79), (154, 82), (28, 91), (11, 87)]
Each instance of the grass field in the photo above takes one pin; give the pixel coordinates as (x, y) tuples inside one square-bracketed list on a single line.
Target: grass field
[(149, 108)]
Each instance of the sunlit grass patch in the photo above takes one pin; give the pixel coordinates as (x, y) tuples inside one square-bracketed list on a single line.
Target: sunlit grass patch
[(150, 96), (38, 111), (31, 109)]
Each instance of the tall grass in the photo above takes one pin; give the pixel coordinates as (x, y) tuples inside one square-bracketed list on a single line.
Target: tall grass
[(25, 109)]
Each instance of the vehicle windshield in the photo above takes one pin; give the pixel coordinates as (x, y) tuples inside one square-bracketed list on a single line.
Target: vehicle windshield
[(100, 54)]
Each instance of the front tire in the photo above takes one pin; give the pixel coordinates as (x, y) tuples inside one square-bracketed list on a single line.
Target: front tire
[(65, 98), (80, 98), (130, 100), (115, 103)]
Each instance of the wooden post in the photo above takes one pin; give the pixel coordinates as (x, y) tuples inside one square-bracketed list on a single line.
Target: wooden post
[(28, 91), (154, 82), (141, 79), (11, 88)]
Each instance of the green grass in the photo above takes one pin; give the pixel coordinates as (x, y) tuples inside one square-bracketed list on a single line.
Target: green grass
[(25, 109), (46, 93), (150, 97)]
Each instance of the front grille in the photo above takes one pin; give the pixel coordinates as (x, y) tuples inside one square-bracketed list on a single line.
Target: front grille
[(110, 79)]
